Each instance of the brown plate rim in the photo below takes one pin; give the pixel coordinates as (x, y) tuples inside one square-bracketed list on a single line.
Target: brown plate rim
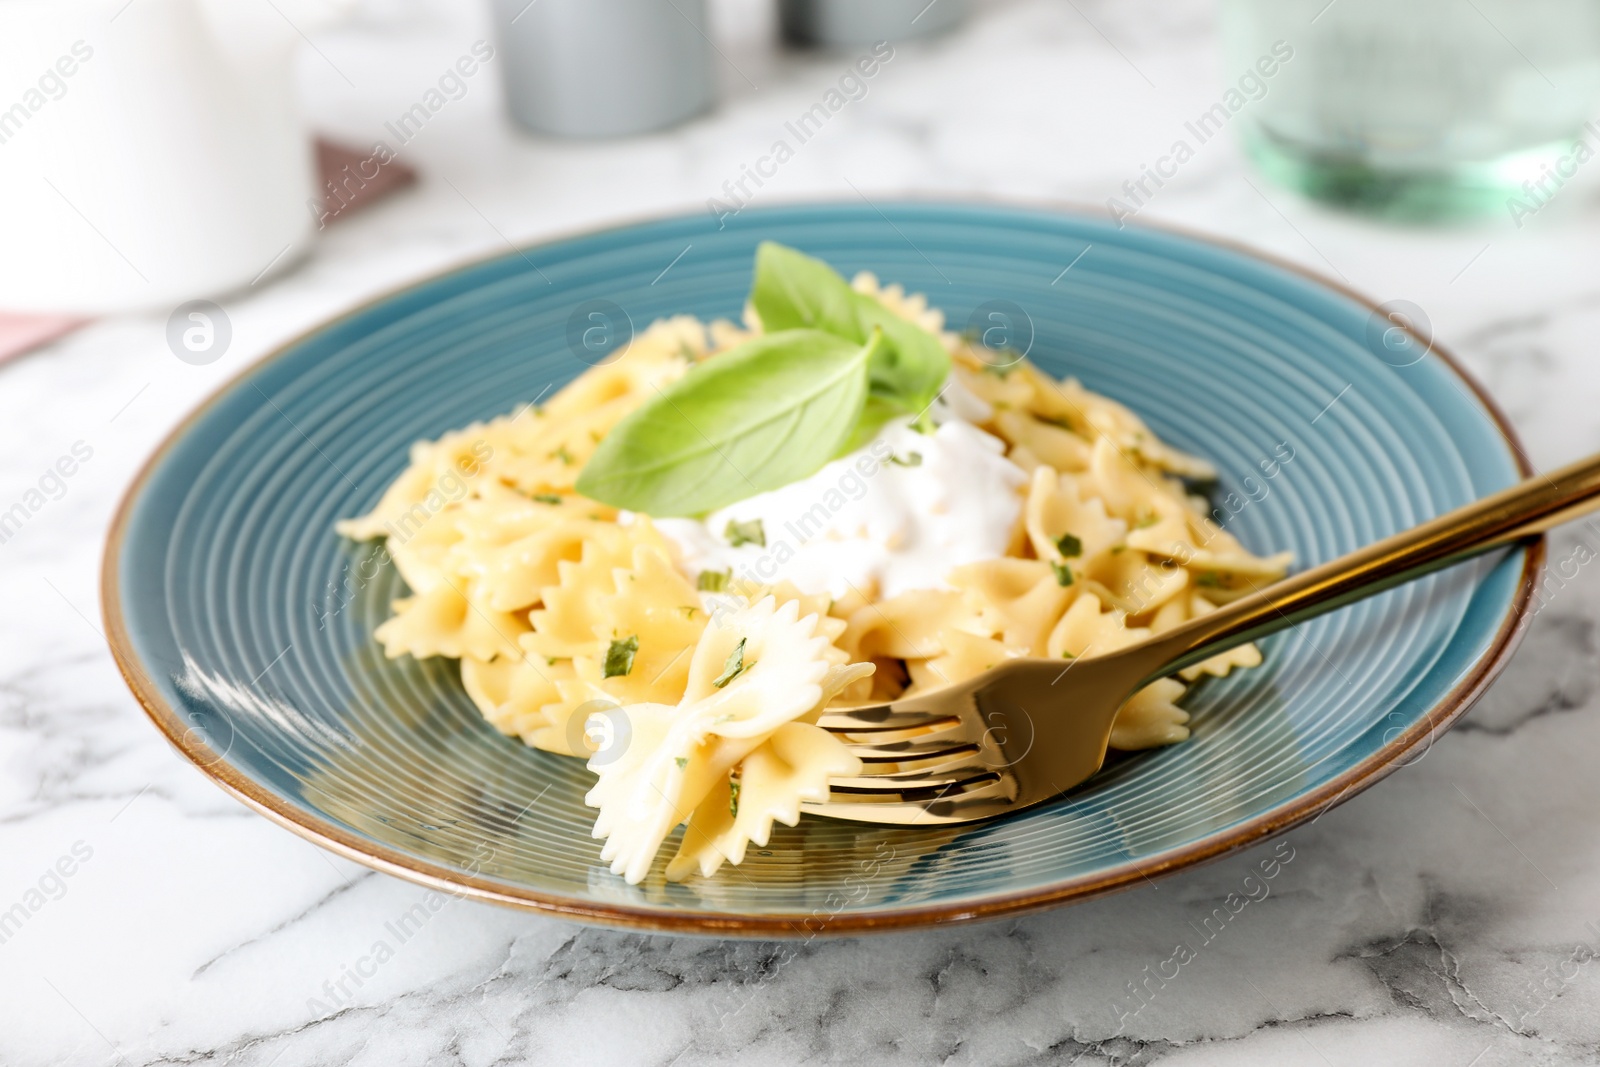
[(1306, 807)]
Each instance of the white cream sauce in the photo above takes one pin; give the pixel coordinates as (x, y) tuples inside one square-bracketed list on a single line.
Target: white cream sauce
[(895, 515)]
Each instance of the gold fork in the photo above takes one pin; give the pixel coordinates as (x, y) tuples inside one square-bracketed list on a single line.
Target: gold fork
[(1028, 730)]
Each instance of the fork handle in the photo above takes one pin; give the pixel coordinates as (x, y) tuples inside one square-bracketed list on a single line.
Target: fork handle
[(1521, 512)]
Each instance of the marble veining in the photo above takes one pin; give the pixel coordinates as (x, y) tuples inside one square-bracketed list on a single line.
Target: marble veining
[(1451, 915)]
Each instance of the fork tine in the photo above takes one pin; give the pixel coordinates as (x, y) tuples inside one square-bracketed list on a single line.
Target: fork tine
[(956, 807), (915, 751), (947, 776), (884, 718)]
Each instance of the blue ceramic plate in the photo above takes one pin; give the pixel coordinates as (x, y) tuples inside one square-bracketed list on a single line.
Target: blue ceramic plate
[(244, 625)]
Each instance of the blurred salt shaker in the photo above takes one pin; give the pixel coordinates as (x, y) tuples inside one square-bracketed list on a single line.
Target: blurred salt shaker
[(851, 23), (604, 68)]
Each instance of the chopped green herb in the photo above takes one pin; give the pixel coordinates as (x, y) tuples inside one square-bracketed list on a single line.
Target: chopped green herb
[(713, 581), (1067, 655), (1059, 422), (733, 797), (1063, 573), (681, 761), (563, 455), (1117, 550), (547, 498), (745, 533), (619, 657), (1210, 580), (551, 661), (1069, 545), (1146, 521), (688, 611), (733, 666), (1001, 371), (913, 459)]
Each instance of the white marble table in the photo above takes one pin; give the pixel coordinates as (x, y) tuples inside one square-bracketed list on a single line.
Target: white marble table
[(1445, 917)]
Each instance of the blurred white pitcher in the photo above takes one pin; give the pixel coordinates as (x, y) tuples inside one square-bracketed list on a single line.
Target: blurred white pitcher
[(150, 150)]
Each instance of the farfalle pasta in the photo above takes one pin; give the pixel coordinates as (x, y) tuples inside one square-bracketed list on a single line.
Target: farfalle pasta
[(707, 644), (734, 754)]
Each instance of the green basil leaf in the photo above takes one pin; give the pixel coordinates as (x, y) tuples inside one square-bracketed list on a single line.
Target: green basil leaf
[(877, 411), (794, 291), (915, 366), (768, 413)]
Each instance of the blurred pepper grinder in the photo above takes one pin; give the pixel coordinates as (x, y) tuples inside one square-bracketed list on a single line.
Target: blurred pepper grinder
[(604, 68), (851, 23)]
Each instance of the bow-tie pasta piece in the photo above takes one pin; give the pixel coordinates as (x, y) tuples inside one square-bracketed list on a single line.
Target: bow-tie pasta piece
[(761, 668)]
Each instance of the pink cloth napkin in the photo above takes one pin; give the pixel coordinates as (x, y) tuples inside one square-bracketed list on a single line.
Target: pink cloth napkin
[(21, 333)]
